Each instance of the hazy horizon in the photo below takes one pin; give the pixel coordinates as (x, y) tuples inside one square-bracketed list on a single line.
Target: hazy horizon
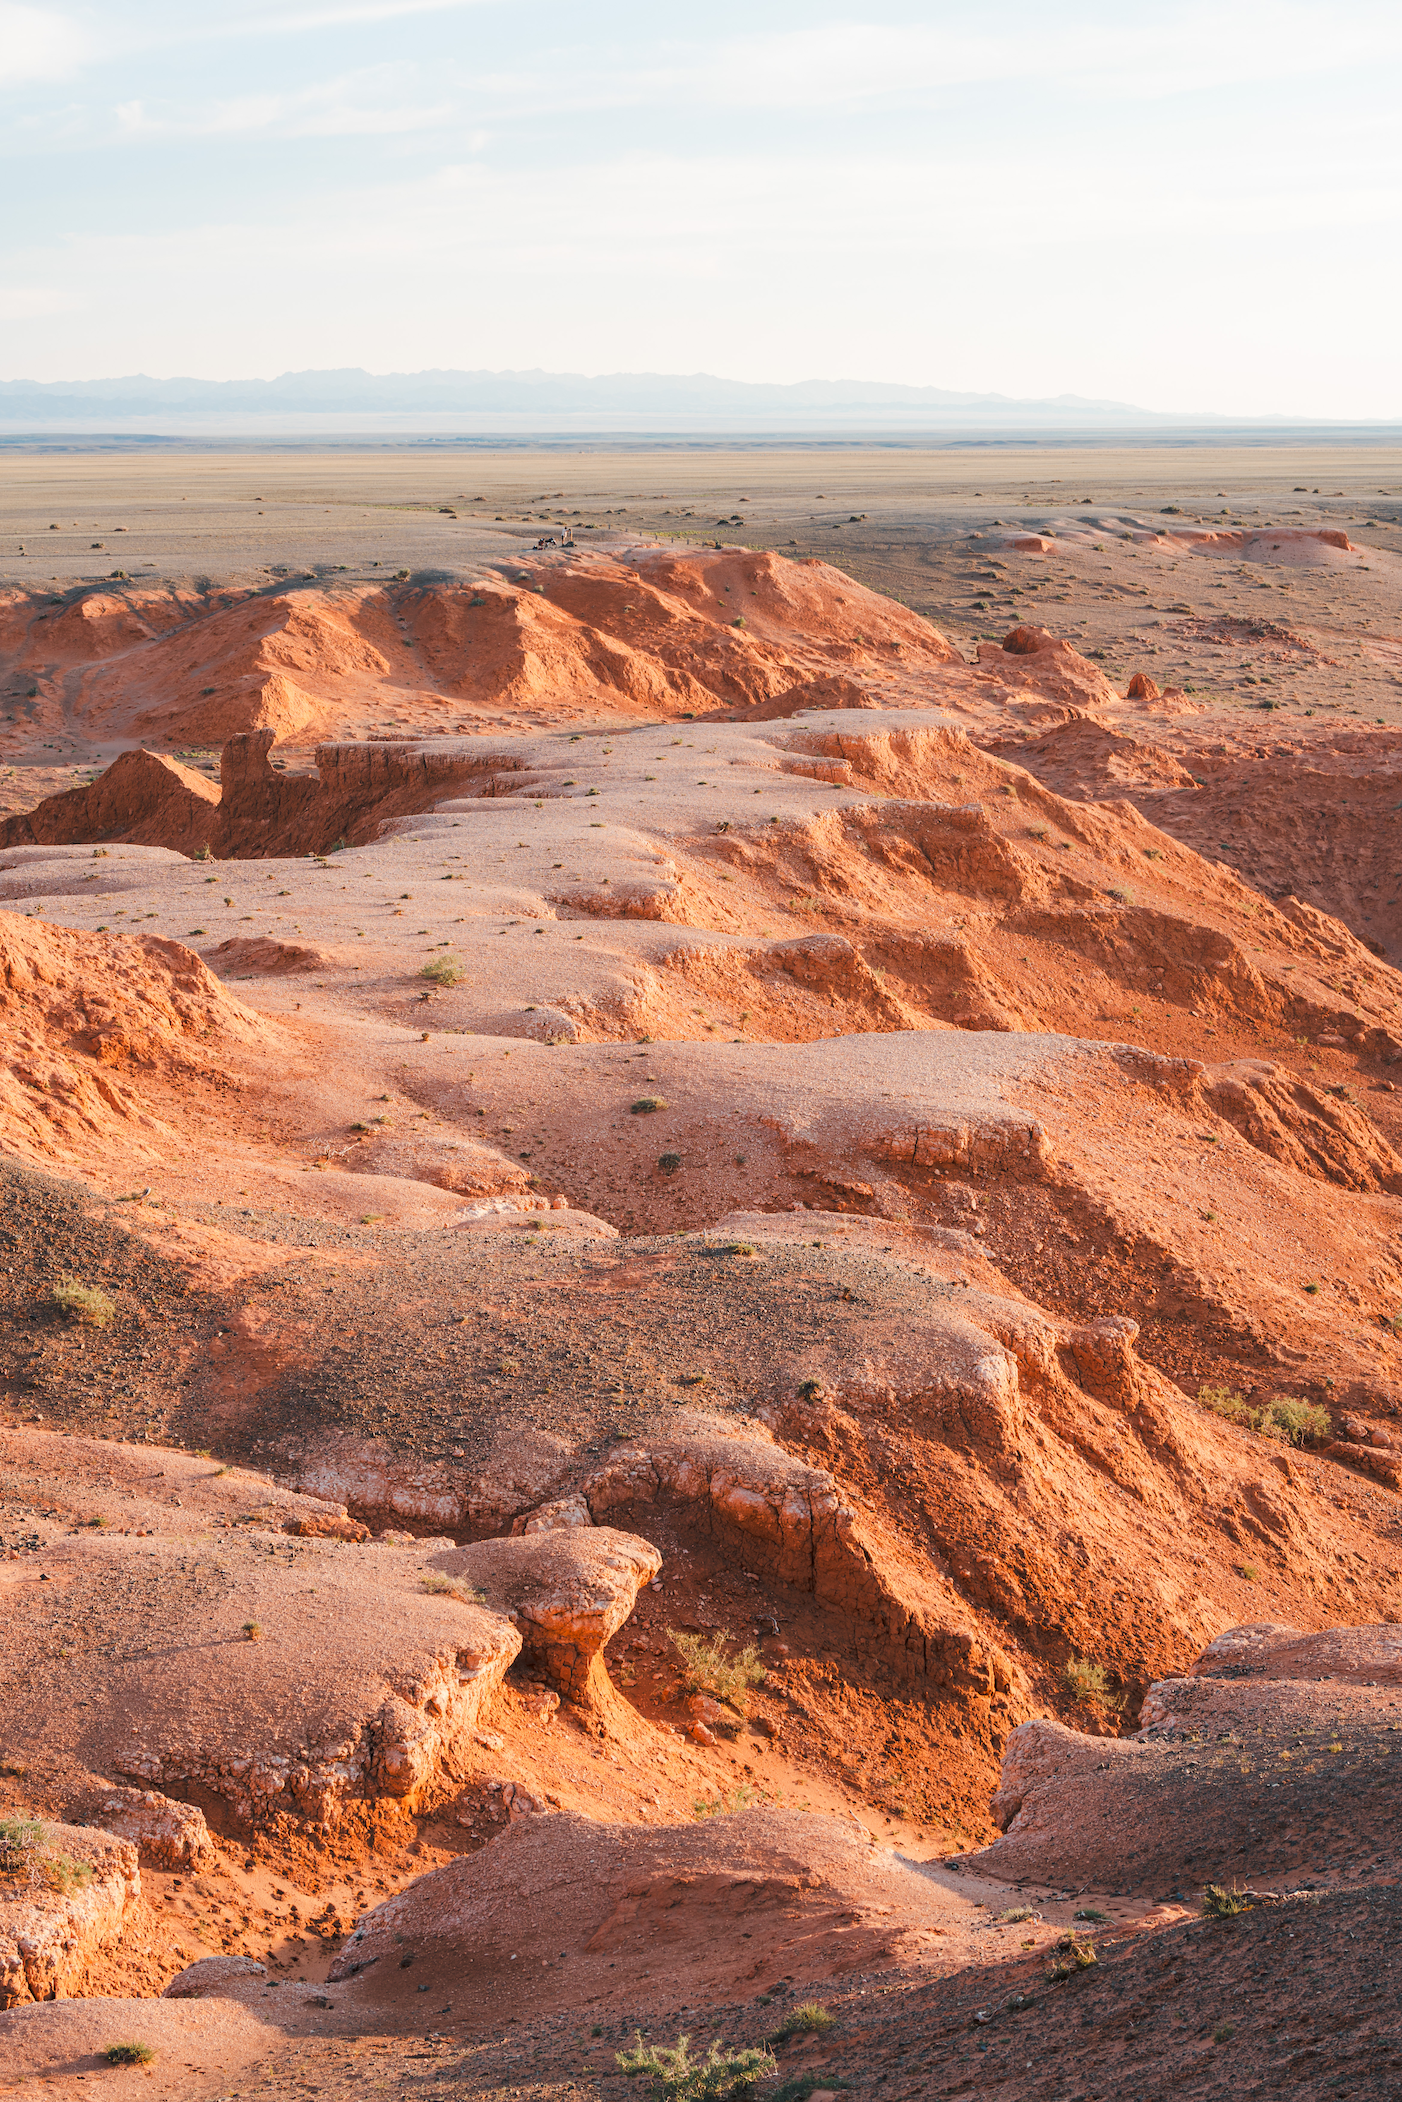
[(1187, 211)]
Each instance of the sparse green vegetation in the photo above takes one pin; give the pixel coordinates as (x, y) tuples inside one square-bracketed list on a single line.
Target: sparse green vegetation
[(678, 2077), (1219, 1903), (1091, 1912), (710, 1670), (21, 1844), (1281, 1416), (443, 971), (669, 1162), (129, 2054), (1225, 2031), (25, 1854), (63, 1874), (646, 1104), (82, 1303), (1016, 1914), (809, 2018), (1087, 1683), (741, 1797), (253, 1631)]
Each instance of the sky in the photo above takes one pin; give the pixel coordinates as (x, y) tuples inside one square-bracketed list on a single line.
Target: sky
[(1192, 207)]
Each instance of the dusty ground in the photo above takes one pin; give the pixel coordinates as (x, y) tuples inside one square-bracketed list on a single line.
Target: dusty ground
[(856, 1171)]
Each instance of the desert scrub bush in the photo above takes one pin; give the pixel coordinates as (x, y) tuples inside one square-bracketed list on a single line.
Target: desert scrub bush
[(809, 2018), (21, 1844), (1016, 1914), (1091, 1912), (1296, 1422), (678, 2077), (1087, 1684), (1219, 1903), (710, 1670), (1074, 1952), (129, 2054), (647, 1104), (1281, 1416), (80, 1302), (442, 971)]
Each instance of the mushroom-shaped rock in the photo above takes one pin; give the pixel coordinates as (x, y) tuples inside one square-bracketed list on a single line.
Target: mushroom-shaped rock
[(568, 1590)]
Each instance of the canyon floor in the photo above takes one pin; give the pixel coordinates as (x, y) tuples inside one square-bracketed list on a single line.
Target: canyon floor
[(789, 1395)]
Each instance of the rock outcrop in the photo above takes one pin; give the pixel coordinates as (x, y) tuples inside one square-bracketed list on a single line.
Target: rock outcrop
[(62, 1910), (166, 1834)]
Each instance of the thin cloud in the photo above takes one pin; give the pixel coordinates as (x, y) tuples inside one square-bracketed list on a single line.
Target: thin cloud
[(36, 43), (360, 105)]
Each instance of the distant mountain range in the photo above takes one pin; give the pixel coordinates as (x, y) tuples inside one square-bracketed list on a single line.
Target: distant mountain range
[(649, 394), (525, 408)]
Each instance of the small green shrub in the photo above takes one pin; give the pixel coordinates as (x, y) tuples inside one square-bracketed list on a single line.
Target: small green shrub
[(646, 1104), (129, 2054), (1016, 1914), (1218, 1903), (1281, 1416), (809, 2018), (710, 1670), (1225, 2031), (79, 1302), (1296, 1422), (443, 971), (678, 2077), (253, 1631), (1091, 1912), (21, 1844), (669, 1162)]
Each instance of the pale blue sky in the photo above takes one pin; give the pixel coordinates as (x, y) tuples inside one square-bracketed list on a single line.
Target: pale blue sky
[(1191, 207)]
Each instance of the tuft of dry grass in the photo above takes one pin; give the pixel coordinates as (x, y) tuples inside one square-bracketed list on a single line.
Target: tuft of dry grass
[(1088, 1684), (81, 1303)]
